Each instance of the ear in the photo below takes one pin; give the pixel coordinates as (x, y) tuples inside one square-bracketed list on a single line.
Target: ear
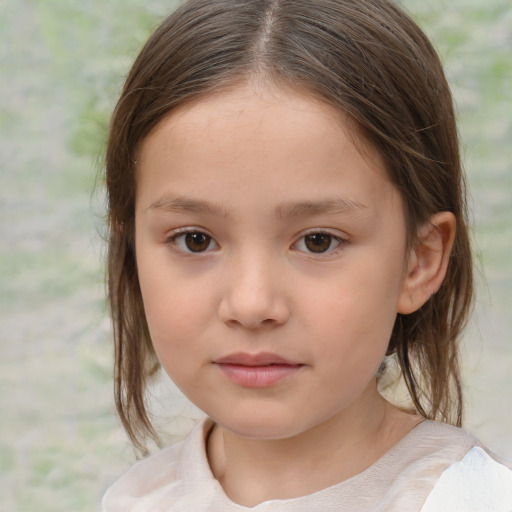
[(427, 262)]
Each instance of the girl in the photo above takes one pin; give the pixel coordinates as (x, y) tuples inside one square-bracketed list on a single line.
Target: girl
[(287, 223)]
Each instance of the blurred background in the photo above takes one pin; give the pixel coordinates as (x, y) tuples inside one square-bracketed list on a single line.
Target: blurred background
[(61, 67)]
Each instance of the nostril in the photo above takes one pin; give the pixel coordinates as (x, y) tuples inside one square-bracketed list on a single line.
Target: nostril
[(251, 315), (252, 298)]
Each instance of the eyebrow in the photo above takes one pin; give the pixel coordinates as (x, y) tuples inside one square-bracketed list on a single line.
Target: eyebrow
[(180, 204), (333, 206)]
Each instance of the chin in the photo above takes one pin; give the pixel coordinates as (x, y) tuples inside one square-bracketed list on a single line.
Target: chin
[(262, 427)]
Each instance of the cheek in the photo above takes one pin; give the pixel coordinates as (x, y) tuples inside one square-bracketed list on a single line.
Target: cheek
[(176, 328), (361, 296), (176, 308), (173, 312), (354, 318)]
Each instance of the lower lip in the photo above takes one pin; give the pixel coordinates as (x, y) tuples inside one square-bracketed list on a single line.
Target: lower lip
[(258, 376)]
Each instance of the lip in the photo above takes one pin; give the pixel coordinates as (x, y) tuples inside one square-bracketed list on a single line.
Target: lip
[(257, 370)]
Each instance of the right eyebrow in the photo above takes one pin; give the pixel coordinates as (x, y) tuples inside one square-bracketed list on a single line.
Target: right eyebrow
[(179, 204)]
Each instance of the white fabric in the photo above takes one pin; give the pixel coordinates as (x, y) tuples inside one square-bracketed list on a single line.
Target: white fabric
[(178, 479), (477, 483)]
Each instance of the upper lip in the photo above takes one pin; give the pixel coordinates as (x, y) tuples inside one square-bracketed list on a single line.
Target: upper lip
[(260, 359)]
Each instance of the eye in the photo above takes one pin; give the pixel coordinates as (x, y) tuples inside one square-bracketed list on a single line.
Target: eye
[(193, 241), (318, 243)]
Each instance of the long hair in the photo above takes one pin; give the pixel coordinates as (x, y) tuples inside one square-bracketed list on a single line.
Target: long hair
[(365, 58)]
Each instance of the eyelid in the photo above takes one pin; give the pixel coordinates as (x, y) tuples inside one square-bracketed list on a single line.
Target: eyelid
[(339, 237), (170, 240)]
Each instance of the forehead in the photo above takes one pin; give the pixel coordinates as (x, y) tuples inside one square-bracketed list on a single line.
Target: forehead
[(236, 143), (248, 105)]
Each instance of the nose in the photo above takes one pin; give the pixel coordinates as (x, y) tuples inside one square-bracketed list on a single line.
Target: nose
[(254, 296)]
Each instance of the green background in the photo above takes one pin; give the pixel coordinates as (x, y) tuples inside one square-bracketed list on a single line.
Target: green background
[(61, 66)]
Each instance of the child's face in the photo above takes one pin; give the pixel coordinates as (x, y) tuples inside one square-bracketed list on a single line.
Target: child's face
[(271, 259)]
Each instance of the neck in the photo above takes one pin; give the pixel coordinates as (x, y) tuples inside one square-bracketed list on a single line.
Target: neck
[(255, 470)]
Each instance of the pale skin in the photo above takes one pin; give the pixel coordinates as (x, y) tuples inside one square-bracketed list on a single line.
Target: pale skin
[(261, 228)]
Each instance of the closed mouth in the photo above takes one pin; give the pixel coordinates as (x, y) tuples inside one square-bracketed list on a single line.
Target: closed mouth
[(260, 359), (261, 370)]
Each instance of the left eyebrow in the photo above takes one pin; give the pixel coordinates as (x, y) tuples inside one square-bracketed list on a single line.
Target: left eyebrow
[(332, 206)]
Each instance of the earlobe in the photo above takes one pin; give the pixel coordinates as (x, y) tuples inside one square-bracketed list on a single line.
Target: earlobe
[(427, 262)]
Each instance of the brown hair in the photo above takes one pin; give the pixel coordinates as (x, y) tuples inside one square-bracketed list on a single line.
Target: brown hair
[(365, 58)]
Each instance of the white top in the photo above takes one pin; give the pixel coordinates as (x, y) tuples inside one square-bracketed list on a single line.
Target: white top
[(435, 468)]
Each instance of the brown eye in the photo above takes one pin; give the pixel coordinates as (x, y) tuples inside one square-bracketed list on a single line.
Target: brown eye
[(318, 242), (192, 242), (197, 242)]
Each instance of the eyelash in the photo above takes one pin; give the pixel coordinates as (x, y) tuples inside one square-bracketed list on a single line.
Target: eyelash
[(340, 242), (174, 239)]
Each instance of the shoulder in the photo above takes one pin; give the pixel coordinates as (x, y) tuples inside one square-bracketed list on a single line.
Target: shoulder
[(476, 483), (423, 458), (431, 447), (160, 477), (443, 433)]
